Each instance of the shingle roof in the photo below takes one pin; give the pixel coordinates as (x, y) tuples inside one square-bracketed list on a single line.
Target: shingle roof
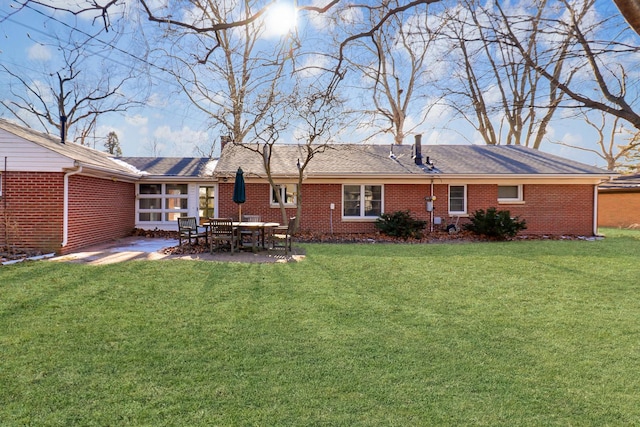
[(622, 183), (184, 167), (84, 155), (356, 159)]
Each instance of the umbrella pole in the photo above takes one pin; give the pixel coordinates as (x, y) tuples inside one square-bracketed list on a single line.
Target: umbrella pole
[(240, 213)]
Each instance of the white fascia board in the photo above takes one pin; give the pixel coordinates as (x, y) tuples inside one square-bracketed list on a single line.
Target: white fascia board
[(173, 178), (98, 172), (456, 178)]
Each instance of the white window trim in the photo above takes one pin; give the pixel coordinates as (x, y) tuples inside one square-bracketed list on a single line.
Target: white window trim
[(163, 210), (215, 197), (462, 212), (362, 217), (515, 200), (274, 203)]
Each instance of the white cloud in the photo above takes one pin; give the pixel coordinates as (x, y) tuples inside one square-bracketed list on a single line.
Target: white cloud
[(437, 137), (185, 140), (314, 65), (137, 120), (572, 139), (319, 21), (44, 90), (157, 100), (38, 52)]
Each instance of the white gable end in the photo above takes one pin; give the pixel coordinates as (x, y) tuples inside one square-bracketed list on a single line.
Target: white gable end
[(25, 156)]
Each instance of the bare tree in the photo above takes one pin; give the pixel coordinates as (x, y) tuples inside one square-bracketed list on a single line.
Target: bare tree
[(630, 162), (394, 62), (252, 13), (154, 147), (603, 55), (317, 121), (232, 77), (68, 101), (502, 97), (630, 9), (609, 131), (312, 112)]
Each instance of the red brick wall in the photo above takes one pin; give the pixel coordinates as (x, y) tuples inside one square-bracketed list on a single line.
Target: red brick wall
[(548, 209), (31, 208), (619, 209), (100, 210)]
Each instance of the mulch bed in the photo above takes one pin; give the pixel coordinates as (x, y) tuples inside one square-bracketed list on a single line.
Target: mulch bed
[(12, 254), (305, 237)]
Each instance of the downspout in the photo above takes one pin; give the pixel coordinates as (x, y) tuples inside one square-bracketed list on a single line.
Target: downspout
[(433, 209), (595, 210), (65, 207)]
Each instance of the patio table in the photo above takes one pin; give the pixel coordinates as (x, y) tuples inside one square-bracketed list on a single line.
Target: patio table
[(259, 226)]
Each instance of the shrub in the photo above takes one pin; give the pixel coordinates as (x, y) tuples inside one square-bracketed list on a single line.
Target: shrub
[(494, 223), (400, 224)]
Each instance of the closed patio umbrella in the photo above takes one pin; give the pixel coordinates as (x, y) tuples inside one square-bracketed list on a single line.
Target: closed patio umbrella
[(239, 193)]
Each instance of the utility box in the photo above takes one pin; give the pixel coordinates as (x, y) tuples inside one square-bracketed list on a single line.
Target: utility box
[(437, 220)]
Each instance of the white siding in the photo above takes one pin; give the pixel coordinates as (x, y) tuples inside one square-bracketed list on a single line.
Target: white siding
[(25, 156)]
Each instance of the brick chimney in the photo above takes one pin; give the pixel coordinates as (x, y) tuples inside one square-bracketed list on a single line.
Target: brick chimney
[(224, 139)]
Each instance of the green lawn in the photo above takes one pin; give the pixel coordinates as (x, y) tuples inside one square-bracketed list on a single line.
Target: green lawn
[(517, 333)]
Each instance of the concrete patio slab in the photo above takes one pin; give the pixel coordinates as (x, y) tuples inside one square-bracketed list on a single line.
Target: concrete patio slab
[(151, 249)]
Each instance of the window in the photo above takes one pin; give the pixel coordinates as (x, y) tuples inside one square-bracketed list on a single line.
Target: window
[(457, 199), (510, 193), (288, 194), (162, 202), (362, 201), (206, 203)]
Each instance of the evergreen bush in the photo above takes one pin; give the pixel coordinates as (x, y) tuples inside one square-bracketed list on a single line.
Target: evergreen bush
[(400, 224), (494, 223)]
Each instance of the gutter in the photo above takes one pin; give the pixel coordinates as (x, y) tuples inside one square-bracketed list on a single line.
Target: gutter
[(65, 204), (421, 176)]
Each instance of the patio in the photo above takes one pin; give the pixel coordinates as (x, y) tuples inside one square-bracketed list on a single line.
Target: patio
[(157, 248)]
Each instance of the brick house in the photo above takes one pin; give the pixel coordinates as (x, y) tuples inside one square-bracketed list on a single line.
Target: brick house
[(346, 187), (61, 197), (619, 202), (58, 197)]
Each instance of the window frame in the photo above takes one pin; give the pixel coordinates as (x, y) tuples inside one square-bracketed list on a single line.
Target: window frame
[(207, 197), (164, 198), (464, 199), (362, 215), (273, 202), (518, 199)]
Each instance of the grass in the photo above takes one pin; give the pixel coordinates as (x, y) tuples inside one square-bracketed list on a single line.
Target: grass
[(518, 334)]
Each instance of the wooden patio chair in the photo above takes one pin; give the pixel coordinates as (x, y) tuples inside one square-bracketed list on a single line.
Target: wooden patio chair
[(222, 230), (252, 235), (282, 237), (188, 229)]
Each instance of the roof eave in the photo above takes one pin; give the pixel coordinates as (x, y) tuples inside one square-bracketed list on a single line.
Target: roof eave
[(429, 176), (176, 178), (100, 172)]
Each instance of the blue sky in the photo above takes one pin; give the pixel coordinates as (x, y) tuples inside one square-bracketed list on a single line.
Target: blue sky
[(167, 121), (168, 124)]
